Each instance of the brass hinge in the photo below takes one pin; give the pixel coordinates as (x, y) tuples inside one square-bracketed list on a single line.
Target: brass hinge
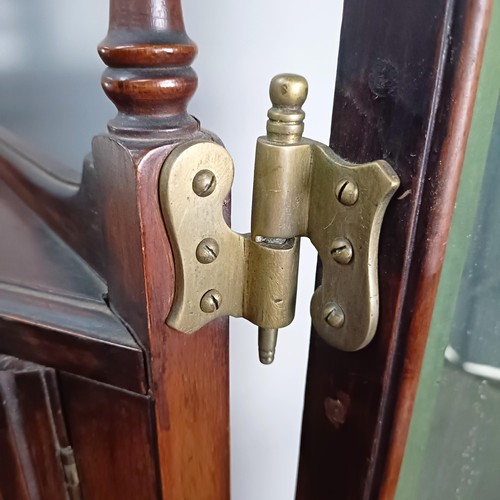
[(301, 188), (71, 479)]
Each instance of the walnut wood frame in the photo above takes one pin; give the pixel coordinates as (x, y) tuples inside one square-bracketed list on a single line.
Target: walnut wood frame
[(406, 82)]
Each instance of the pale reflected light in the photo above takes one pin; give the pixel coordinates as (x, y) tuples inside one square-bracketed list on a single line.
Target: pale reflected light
[(12, 46), (12, 51)]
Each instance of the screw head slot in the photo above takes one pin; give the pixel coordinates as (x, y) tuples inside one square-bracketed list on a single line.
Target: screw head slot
[(347, 192), (334, 315), (207, 251), (341, 250), (211, 301), (204, 183)]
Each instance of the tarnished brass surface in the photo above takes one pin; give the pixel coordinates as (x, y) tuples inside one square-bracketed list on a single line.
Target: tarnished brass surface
[(286, 119), (353, 285), (281, 189), (301, 188), (304, 189), (267, 344), (249, 279)]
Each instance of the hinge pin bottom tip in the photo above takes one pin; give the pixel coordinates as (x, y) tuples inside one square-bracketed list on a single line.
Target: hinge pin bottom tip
[(268, 338)]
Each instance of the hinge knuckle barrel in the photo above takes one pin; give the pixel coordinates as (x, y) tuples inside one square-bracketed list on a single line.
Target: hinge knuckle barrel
[(271, 285), (282, 180)]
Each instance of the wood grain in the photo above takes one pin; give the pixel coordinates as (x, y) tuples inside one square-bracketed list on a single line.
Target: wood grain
[(189, 374), (112, 438), (112, 363), (112, 218), (455, 113), (149, 76), (401, 95), (52, 309)]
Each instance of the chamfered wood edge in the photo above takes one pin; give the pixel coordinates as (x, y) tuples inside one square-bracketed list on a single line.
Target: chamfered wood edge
[(189, 373), (114, 364), (468, 42), (53, 308), (79, 336)]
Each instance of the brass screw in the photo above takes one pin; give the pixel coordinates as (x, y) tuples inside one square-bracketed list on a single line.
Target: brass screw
[(347, 192), (204, 183), (334, 315), (341, 250), (211, 301), (207, 251)]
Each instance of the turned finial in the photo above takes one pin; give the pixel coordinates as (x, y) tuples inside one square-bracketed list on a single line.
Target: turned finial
[(288, 92), (149, 77)]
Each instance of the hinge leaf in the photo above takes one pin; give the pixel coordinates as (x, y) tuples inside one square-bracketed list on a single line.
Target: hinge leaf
[(345, 231)]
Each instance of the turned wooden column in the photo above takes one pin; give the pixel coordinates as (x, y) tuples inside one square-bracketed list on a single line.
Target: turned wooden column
[(149, 77), (150, 81)]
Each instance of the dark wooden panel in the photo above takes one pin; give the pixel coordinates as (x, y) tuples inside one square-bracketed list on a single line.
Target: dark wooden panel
[(112, 433), (52, 309), (406, 82), (115, 364), (32, 432), (33, 256), (14, 479), (53, 192), (453, 120)]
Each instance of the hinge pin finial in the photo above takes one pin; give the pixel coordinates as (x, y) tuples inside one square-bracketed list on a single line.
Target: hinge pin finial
[(288, 93)]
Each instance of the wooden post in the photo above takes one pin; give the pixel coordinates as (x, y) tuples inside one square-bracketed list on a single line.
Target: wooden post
[(407, 97), (150, 81)]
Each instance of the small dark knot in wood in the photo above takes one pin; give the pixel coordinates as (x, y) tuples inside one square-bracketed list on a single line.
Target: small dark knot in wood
[(382, 79)]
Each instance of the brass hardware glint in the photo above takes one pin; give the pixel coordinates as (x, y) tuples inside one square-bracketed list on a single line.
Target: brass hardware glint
[(301, 188)]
